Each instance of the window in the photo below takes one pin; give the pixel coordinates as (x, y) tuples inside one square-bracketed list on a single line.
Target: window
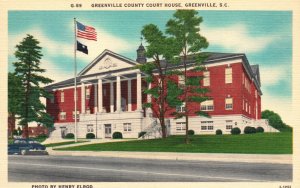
[(62, 96), (207, 105), (243, 104), (181, 81), (90, 128), (180, 108), (228, 104), (62, 115), (73, 114), (206, 78), (127, 127), (207, 125), (52, 99), (228, 75), (246, 106), (87, 93), (255, 93), (180, 126), (249, 109), (229, 124), (243, 78)]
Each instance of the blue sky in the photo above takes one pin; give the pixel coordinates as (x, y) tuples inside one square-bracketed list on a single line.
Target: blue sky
[(264, 36)]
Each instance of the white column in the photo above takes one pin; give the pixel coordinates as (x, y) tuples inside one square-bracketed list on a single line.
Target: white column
[(82, 98), (138, 91), (100, 98), (111, 97), (129, 95), (118, 94), (95, 99)]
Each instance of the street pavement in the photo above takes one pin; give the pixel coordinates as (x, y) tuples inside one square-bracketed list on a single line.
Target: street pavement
[(115, 169)]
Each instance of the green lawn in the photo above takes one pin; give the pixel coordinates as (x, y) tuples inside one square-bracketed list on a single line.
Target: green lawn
[(260, 143)]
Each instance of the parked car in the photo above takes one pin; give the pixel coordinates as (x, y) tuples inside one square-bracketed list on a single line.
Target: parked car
[(21, 146)]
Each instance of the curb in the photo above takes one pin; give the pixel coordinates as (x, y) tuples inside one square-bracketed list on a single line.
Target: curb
[(222, 157)]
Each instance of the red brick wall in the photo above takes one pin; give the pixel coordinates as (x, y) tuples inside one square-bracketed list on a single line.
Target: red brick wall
[(219, 90)]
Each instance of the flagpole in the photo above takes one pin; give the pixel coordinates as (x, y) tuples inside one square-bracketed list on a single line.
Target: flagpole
[(75, 79)]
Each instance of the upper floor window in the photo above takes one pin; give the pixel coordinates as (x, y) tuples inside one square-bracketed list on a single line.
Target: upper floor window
[(228, 103), (207, 105), (249, 109), (228, 75), (206, 78), (127, 127), (180, 108), (62, 96), (87, 93), (62, 115)]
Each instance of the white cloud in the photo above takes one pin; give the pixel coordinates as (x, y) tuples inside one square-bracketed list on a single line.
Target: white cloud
[(104, 41), (236, 38), (54, 72), (50, 46), (273, 74), (56, 48), (282, 106)]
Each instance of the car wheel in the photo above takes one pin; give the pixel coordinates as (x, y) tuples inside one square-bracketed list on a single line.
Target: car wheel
[(23, 151)]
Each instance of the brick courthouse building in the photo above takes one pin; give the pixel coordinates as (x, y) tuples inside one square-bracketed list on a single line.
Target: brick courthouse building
[(110, 98)]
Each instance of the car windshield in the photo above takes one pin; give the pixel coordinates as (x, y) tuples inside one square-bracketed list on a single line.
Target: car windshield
[(25, 142), (32, 141)]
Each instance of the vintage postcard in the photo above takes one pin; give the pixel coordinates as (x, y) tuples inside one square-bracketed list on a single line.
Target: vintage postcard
[(149, 93)]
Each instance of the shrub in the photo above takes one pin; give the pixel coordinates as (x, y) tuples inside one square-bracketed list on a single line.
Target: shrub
[(219, 132), (117, 135), (260, 130), (90, 136), (249, 130), (191, 132), (142, 133), (42, 136), (69, 135), (235, 131)]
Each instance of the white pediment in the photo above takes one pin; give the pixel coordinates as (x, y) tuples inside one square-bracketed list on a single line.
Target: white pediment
[(106, 62)]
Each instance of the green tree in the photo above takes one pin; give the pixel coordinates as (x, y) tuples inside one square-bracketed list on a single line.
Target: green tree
[(15, 94), (275, 121), (161, 49), (184, 29), (27, 68)]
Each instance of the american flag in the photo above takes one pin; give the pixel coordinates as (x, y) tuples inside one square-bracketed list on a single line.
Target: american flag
[(86, 32)]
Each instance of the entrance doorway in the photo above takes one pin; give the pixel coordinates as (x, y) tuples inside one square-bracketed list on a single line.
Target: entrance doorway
[(107, 129)]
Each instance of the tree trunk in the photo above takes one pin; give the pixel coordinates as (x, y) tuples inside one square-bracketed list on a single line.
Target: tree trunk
[(163, 126), (11, 124), (187, 139), (26, 131)]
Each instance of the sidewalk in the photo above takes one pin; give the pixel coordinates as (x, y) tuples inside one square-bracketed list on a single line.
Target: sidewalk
[(221, 157)]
